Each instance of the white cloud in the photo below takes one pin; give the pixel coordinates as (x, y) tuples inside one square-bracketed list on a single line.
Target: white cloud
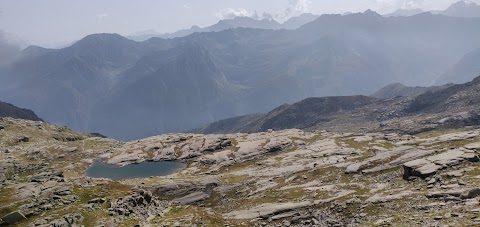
[(230, 13), (404, 4), (391, 5), (294, 8)]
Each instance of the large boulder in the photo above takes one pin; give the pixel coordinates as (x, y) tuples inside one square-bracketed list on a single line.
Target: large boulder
[(420, 168), (428, 166), (13, 217), (473, 146)]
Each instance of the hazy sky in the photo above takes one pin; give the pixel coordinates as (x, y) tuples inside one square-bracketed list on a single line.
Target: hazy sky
[(52, 23)]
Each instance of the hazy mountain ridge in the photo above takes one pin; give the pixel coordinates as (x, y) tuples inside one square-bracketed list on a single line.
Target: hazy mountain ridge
[(404, 13), (462, 9), (357, 112), (235, 72), (458, 9), (464, 70), (237, 22), (190, 82), (9, 110), (397, 89)]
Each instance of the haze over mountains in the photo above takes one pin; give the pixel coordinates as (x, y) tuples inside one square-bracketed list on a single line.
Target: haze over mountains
[(427, 108), (237, 22), (458, 9), (464, 70), (126, 89), (462, 9)]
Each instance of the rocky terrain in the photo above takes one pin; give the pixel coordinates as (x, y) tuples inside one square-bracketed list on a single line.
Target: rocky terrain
[(273, 178)]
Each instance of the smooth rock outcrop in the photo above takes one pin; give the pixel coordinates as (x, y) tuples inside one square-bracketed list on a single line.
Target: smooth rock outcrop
[(428, 166), (266, 210)]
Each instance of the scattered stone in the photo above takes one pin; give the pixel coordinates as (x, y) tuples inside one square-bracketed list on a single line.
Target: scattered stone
[(24, 139), (428, 166), (473, 146), (226, 171), (98, 200), (470, 193), (420, 167), (192, 198), (265, 210), (432, 181), (453, 174)]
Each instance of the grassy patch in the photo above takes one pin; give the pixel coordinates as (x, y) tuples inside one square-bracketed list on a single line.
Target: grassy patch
[(352, 143), (8, 201), (233, 179), (90, 218), (191, 215), (110, 189), (129, 222)]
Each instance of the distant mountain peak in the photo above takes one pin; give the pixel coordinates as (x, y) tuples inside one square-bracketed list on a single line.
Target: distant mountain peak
[(371, 13), (463, 5), (462, 9), (34, 51), (247, 20), (400, 90), (102, 38), (404, 13), (9, 110)]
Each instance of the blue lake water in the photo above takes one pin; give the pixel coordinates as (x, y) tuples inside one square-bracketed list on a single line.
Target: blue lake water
[(145, 169)]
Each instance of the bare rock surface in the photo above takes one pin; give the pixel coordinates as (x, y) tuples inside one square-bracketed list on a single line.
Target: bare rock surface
[(274, 178)]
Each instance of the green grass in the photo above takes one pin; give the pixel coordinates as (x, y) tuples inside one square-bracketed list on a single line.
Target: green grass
[(8, 201)]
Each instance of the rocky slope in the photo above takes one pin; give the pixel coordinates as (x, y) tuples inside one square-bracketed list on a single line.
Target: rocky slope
[(277, 178)]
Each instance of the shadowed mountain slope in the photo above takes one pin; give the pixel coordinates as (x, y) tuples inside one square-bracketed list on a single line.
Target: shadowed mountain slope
[(126, 89), (9, 110)]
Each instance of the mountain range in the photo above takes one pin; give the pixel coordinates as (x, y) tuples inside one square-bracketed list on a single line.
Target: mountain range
[(126, 89), (462, 71), (462, 9), (458, 9), (447, 106), (237, 22), (397, 89)]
